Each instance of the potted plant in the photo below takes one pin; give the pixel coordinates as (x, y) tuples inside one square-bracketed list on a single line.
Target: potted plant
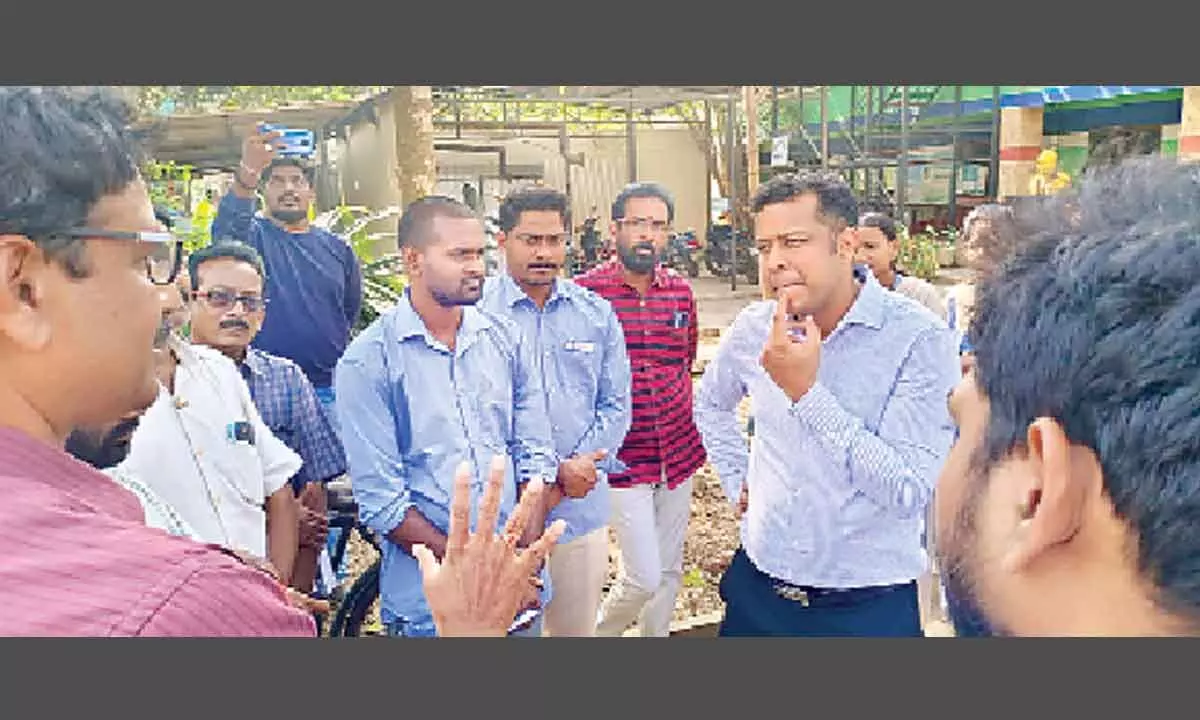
[(918, 254)]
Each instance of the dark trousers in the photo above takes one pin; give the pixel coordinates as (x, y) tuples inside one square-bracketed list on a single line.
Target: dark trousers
[(757, 605)]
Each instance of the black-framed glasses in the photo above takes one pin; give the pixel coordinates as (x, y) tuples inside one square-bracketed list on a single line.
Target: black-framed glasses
[(223, 299), (162, 264)]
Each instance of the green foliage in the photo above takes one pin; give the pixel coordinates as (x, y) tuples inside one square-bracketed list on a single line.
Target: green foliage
[(168, 99), (383, 274), (919, 253)]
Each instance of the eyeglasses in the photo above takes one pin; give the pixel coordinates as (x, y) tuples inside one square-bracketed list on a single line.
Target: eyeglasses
[(162, 264), (221, 299), (655, 226), (551, 240)]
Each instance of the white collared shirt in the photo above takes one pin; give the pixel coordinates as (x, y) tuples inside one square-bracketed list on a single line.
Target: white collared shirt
[(157, 513), (207, 453)]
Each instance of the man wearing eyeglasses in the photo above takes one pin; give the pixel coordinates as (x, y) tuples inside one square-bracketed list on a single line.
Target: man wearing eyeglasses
[(585, 385), (652, 497), (205, 450), (84, 260), (227, 311)]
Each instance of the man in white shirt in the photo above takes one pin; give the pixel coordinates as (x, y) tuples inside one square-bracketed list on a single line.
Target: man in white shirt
[(204, 450)]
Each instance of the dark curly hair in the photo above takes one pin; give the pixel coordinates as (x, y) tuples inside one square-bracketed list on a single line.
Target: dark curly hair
[(835, 199), (1094, 320)]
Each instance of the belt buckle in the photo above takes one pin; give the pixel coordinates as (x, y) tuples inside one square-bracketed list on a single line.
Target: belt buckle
[(793, 593)]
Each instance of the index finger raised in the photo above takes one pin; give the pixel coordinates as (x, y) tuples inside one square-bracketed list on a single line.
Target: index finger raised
[(779, 322)]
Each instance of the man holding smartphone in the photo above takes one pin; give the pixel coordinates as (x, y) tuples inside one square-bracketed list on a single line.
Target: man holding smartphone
[(313, 277)]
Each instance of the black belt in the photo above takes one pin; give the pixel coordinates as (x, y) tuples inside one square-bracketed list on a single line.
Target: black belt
[(807, 595)]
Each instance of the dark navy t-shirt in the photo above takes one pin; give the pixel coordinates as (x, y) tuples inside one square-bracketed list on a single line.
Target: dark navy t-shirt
[(314, 284)]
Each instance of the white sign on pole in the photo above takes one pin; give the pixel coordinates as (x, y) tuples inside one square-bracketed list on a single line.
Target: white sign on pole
[(779, 151)]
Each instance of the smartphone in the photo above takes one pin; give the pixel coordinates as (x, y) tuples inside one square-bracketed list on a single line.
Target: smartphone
[(296, 142)]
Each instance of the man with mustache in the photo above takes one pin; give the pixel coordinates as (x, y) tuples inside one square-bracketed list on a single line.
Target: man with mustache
[(432, 382), (227, 310), (585, 377), (205, 450), (848, 383), (82, 261), (652, 497), (1068, 505)]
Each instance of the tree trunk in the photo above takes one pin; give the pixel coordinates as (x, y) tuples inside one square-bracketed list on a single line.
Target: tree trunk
[(416, 168)]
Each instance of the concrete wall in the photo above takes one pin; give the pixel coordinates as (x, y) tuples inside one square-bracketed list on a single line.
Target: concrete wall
[(365, 168)]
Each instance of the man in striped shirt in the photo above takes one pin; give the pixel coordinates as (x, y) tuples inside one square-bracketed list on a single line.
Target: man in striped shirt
[(652, 498)]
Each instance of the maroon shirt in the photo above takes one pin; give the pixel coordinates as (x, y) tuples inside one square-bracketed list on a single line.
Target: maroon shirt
[(661, 333), (78, 561)]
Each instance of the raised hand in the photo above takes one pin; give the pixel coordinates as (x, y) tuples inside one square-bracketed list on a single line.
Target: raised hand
[(483, 580)]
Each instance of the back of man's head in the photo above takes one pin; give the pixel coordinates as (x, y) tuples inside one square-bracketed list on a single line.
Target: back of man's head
[(1094, 323)]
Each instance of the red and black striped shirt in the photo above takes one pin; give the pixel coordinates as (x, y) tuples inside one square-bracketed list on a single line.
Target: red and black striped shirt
[(661, 335)]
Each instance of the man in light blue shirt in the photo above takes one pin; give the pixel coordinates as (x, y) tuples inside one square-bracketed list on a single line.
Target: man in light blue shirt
[(849, 385), (579, 348), (432, 382)]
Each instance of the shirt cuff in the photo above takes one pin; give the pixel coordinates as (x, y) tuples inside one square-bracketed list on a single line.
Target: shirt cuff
[(390, 517), (821, 411)]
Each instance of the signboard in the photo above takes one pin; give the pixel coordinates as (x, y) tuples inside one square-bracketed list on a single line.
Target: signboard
[(779, 151)]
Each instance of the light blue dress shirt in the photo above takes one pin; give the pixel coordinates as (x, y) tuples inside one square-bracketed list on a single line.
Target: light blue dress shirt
[(839, 481), (581, 361), (411, 410)]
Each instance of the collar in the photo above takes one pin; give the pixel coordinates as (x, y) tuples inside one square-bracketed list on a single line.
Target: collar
[(254, 362), (34, 461), (660, 278), (408, 324), (512, 294), (868, 307)]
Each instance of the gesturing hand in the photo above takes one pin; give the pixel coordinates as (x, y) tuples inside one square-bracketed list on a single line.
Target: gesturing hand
[(258, 149), (792, 353), (577, 475), (483, 579)]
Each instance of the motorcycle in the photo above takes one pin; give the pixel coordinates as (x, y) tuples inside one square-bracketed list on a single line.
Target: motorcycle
[(680, 255), (718, 253), (491, 248)]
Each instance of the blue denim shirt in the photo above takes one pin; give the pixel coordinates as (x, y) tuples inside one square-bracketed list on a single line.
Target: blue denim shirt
[(581, 360), (411, 410)]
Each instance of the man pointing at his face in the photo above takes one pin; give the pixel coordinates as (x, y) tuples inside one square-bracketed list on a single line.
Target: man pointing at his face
[(849, 384)]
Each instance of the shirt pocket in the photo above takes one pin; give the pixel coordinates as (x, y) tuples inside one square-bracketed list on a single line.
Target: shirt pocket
[(240, 467), (578, 365)]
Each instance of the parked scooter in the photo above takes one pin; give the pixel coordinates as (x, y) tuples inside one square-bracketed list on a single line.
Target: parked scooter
[(681, 253), (721, 252)]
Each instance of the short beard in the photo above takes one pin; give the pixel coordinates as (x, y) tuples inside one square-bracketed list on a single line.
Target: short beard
[(956, 549), (635, 263), (459, 299), (289, 217)]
